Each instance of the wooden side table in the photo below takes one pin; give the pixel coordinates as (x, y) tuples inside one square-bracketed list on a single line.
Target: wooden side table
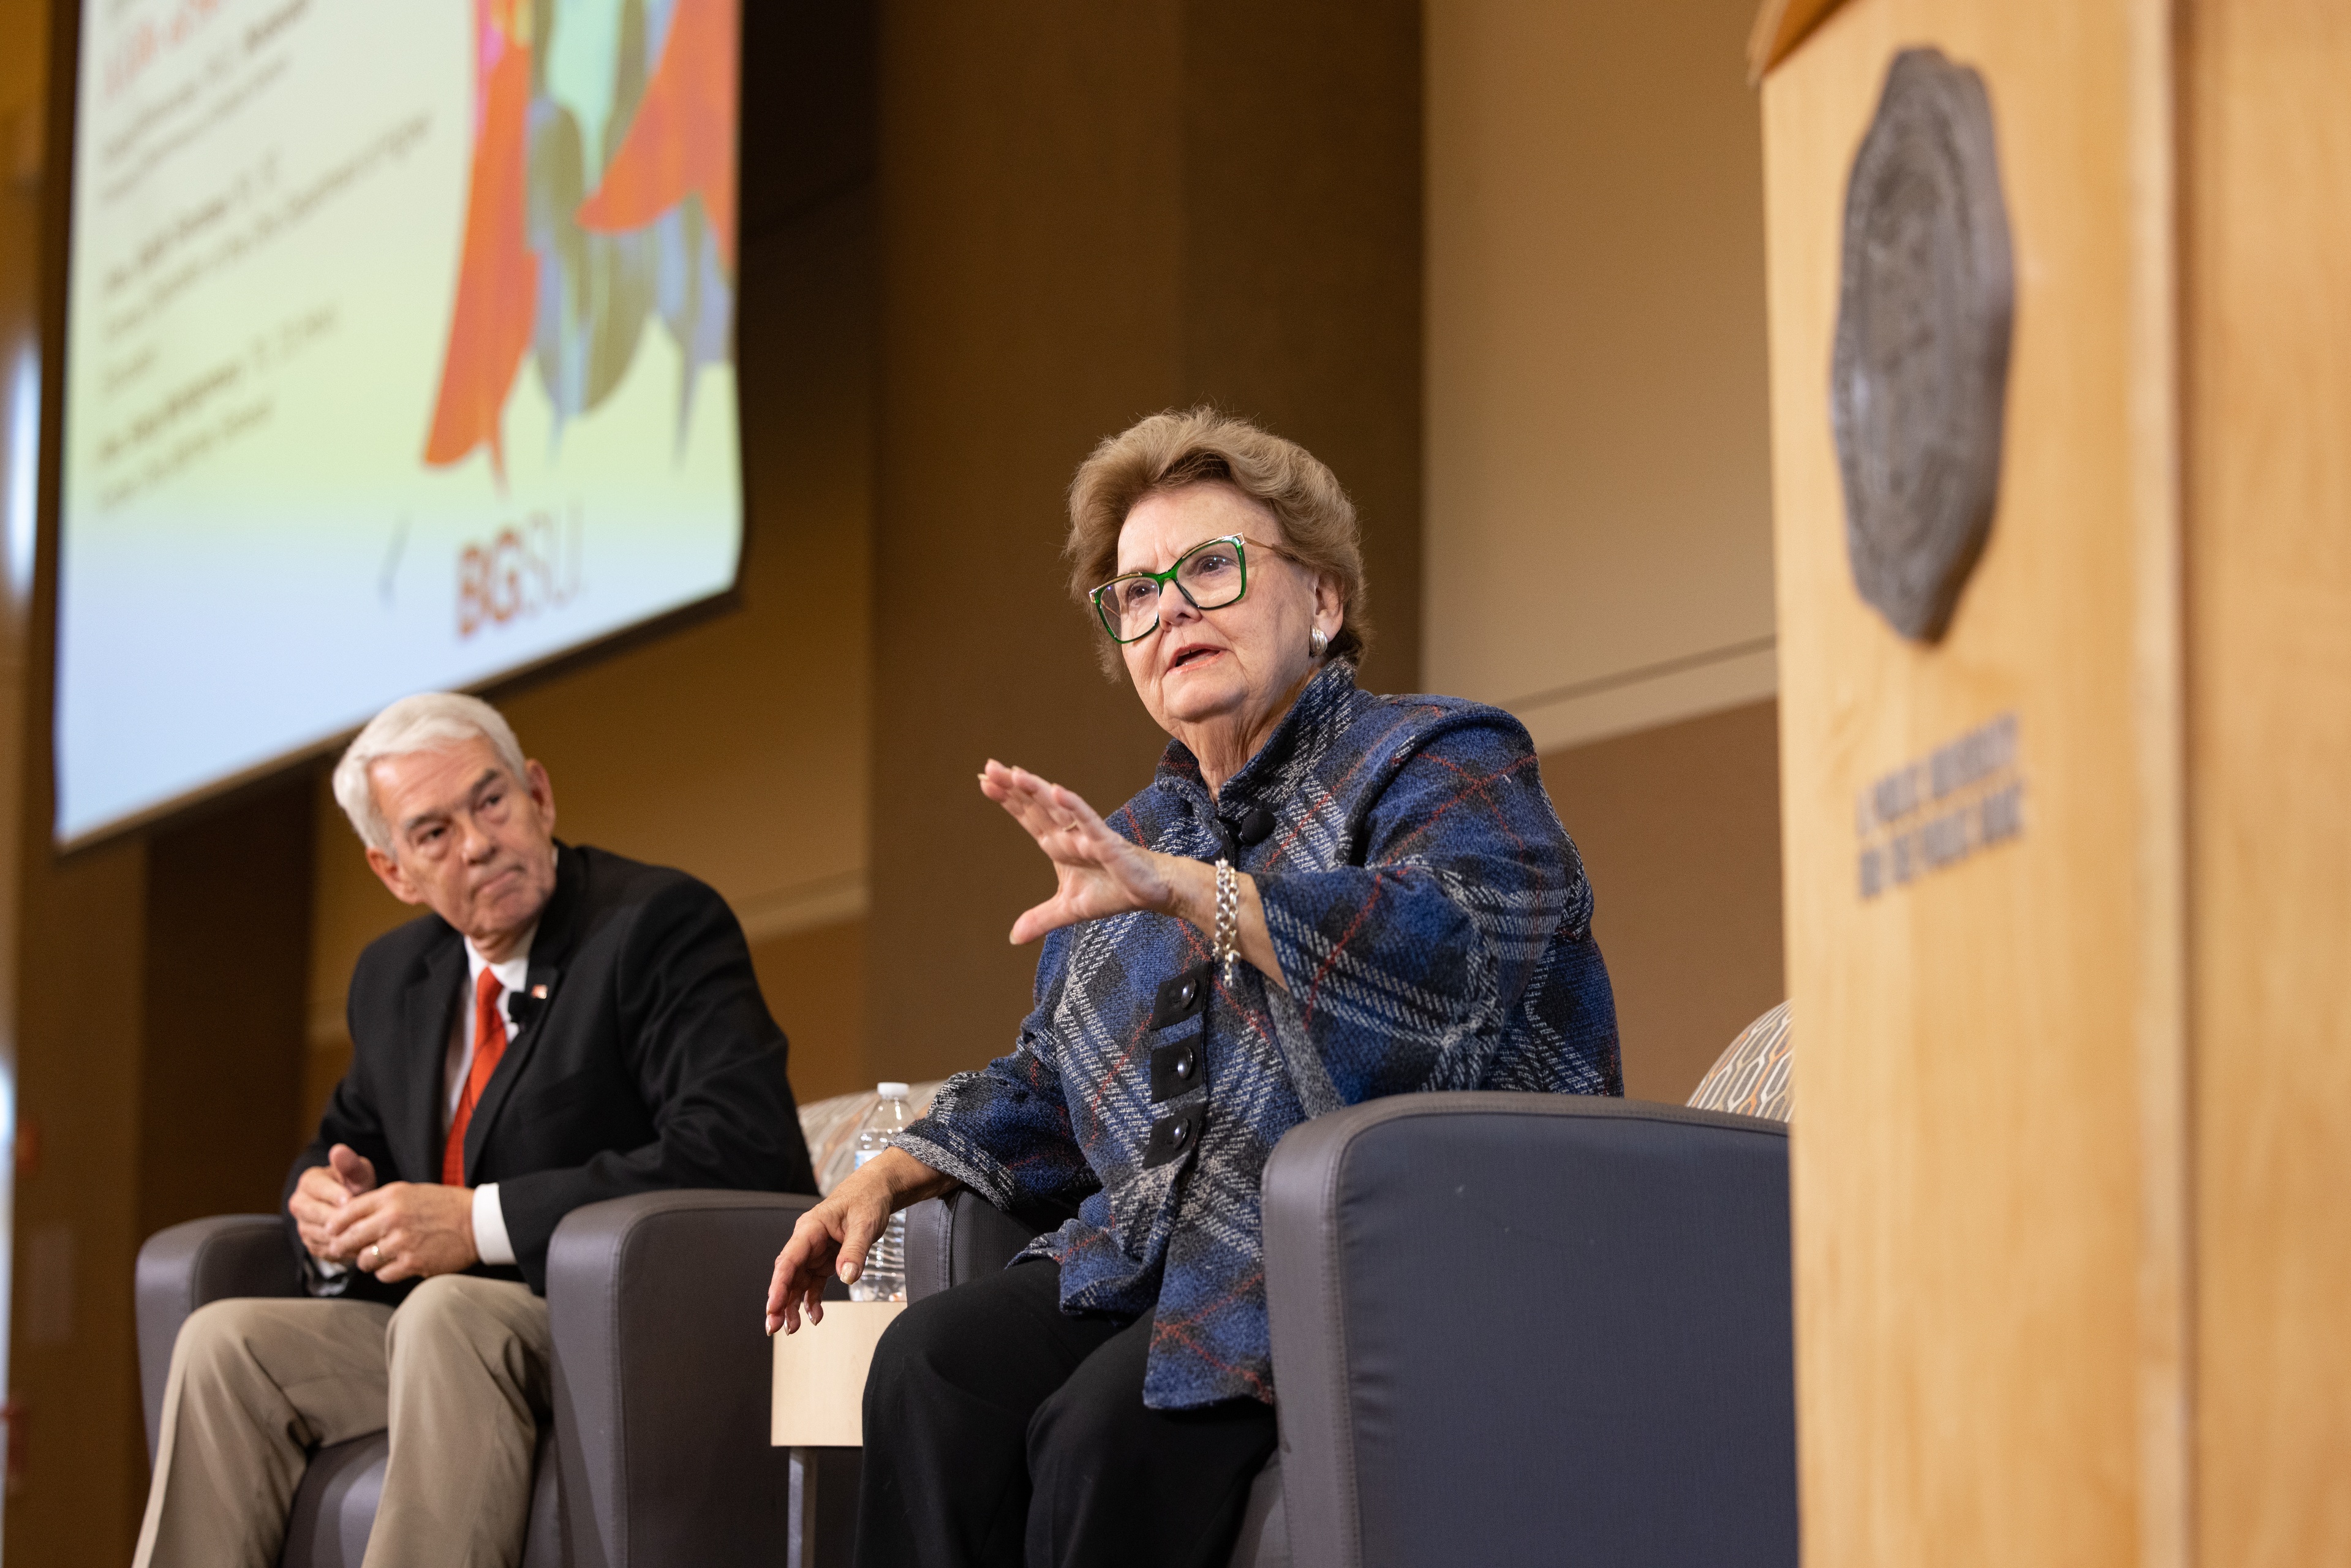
[(818, 1411)]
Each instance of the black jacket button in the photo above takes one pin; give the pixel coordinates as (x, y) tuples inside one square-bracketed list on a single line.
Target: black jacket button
[(1168, 1137), (1180, 995)]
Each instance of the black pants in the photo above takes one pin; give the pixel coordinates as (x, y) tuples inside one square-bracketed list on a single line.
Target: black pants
[(1000, 1431)]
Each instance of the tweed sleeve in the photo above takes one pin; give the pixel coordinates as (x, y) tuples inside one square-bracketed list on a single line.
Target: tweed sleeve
[(1004, 1131), (1403, 967)]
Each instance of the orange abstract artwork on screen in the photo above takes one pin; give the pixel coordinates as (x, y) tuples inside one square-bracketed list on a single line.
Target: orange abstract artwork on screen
[(683, 139), (568, 248), (497, 282)]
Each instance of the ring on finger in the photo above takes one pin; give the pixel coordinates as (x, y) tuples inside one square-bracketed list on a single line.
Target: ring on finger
[(372, 1267)]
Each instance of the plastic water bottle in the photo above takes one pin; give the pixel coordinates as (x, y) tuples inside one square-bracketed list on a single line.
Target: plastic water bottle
[(884, 1278)]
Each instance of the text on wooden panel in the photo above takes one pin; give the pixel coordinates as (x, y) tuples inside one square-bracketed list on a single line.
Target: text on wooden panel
[(1935, 811)]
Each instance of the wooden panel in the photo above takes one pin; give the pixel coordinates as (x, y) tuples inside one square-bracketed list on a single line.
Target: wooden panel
[(1088, 213), (814, 981), (1988, 1290), (2266, 166), (1779, 27), (223, 993)]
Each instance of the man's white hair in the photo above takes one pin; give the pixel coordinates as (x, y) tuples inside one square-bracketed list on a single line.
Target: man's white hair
[(429, 721)]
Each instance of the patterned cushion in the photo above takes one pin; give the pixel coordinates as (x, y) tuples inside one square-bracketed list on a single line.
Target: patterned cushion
[(831, 1128), (1752, 1077)]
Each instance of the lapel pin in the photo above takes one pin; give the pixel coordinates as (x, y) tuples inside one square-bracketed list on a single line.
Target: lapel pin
[(540, 991)]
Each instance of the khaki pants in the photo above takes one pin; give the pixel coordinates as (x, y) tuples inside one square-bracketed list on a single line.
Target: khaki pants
[(459, 1374)]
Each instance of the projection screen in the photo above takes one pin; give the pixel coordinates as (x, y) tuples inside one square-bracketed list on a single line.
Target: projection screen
[(398, 355)]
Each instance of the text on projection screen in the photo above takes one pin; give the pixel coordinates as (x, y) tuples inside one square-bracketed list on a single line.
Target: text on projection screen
[(399, 354)]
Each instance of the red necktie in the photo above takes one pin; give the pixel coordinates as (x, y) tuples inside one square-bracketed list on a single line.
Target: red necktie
[(489, 1044)]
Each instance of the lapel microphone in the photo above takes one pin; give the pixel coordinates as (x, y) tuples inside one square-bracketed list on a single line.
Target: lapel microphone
[(524, 1007), (1254, 827)]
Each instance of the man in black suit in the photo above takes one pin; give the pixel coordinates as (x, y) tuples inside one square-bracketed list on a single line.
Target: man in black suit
[(566, 1026)]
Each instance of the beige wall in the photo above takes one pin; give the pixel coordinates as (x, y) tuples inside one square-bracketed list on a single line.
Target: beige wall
[(1598, 529), (1599, 539), (1679, 829)]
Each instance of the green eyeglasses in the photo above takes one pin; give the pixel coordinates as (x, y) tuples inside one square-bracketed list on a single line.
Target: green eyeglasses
[(1211, 575)]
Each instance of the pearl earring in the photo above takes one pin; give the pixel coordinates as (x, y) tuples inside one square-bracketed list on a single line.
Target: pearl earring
[(1316, 641)]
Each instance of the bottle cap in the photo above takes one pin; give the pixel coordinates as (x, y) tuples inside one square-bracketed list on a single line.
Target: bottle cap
[(892, 1091)]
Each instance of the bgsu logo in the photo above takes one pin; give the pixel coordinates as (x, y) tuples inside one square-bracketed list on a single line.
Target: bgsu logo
[(530, 567)]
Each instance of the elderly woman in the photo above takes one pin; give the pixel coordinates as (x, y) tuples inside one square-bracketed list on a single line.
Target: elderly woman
[(1321, 897)]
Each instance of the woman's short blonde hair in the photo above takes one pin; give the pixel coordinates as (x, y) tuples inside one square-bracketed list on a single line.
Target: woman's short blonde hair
[(1206, 446)]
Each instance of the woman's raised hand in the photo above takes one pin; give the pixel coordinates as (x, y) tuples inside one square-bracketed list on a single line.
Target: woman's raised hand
[(1101, 873)]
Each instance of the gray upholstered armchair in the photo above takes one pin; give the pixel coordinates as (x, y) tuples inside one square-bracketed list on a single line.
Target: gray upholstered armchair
[(1509, 1328), (659, 1451)]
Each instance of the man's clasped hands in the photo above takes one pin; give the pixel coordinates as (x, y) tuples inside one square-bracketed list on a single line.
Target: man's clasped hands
[(407, 1229)]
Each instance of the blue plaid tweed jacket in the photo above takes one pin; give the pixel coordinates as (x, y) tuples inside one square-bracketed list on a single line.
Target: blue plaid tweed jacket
[(1433, 923)]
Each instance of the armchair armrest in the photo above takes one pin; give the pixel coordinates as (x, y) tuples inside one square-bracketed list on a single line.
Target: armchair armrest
[(960, 1237), (185, 1267), (1559, 1326), (662, 1378)]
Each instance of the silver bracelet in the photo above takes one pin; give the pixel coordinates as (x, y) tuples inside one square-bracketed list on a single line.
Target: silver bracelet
[(1228, 916)]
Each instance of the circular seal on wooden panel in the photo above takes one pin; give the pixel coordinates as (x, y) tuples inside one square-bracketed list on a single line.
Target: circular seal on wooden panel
[(1921, 367)]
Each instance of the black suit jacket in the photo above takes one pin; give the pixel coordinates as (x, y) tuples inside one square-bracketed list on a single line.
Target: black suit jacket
[(651, 1063)]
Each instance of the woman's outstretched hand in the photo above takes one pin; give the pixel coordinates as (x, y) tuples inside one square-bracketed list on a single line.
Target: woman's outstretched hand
[(833, 1238), (1101, 873)]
